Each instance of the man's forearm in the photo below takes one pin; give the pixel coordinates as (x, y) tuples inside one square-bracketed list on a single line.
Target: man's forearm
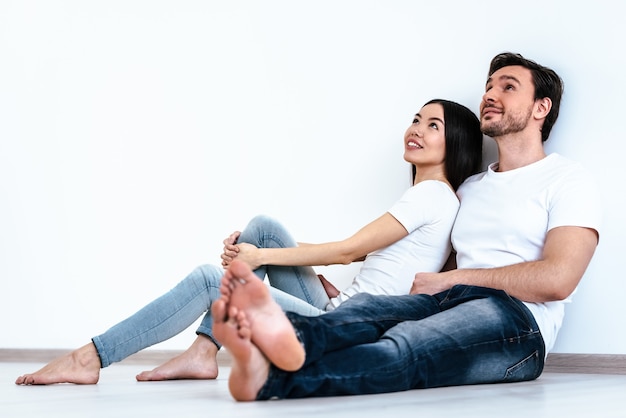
[(531, 282)]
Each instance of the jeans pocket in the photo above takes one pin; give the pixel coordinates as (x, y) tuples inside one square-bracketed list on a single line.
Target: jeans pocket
[(528, 368)]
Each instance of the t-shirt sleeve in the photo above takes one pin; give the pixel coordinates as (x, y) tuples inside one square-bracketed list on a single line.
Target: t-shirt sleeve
[(423, 203), (576, 202)]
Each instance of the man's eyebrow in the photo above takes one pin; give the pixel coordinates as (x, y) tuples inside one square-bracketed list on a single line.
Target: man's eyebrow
[(504, 77), (510, 78)]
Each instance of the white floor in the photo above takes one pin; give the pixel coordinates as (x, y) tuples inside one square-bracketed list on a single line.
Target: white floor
[(117, 394)]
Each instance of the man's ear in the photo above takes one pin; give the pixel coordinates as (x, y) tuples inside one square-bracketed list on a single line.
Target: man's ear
[(542, 107)]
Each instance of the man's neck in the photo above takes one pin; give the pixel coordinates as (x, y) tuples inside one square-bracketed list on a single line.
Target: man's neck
[(515, 152)]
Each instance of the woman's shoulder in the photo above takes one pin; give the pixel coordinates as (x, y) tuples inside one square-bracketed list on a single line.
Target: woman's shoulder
[(435, 187), (432, 193)]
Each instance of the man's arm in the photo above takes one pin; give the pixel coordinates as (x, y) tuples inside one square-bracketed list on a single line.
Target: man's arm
[(566, 255)]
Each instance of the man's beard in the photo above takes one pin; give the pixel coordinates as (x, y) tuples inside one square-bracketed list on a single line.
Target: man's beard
[(508, 125)]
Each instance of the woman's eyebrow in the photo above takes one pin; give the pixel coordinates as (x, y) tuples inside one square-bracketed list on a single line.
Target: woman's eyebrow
[(438, 119)]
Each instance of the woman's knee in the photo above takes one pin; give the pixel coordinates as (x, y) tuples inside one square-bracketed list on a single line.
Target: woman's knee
[(266, 232), (261, 223)]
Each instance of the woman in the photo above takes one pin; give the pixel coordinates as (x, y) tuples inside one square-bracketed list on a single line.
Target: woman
[(444, 146)]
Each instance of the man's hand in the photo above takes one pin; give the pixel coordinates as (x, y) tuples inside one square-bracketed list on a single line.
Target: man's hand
[(429, 283)]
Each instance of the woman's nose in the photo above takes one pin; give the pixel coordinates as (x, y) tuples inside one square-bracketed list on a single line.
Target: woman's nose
[(416, 131)]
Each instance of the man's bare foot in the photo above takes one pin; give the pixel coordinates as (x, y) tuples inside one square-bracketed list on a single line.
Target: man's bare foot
[(250, 367), (81, 366), (271, 331), (197, 362)]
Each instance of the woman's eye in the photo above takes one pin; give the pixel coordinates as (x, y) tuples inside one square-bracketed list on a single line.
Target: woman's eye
[(416, 120), (434, 126)]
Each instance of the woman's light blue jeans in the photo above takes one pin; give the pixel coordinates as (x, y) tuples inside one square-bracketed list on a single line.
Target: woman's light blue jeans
[(376, 344), (295, 289)]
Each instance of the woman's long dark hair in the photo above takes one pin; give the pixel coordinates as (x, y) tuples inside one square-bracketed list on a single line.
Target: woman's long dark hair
[(464, 142)]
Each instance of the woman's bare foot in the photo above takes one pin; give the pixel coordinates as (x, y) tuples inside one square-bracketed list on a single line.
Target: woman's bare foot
[(81, 366), (250, 367), (197, 362), (271, 331)]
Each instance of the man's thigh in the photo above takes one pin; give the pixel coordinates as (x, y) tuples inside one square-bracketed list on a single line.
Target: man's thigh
[(481, 340)]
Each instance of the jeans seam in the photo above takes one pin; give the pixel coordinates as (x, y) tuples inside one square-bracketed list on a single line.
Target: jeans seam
[(520, 364)]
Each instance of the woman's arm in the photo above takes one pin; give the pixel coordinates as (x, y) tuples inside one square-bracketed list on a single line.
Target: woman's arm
[(378, 234)]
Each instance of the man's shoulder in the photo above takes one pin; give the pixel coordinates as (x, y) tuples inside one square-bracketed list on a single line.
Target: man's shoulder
[(561, 160), (472, 179), (565, 167)]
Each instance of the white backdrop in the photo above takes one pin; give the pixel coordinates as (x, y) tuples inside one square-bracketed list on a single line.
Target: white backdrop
[(135, 135)]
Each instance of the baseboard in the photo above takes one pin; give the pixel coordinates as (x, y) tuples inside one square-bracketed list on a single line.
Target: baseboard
[(586, 363), (556, 362)]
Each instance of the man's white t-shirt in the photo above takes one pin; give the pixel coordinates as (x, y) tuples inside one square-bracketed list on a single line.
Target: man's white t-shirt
[(427, 211), (505, 216)]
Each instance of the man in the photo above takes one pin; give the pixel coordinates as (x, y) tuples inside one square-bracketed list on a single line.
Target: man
[(524, 236)]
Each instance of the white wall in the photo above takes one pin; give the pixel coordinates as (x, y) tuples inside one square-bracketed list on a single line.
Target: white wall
[(135, 135)]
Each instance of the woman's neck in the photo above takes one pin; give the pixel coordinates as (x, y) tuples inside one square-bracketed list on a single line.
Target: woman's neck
[(434, 173)]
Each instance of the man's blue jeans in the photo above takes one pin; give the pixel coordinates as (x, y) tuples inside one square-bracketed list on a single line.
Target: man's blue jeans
[(376, 344)]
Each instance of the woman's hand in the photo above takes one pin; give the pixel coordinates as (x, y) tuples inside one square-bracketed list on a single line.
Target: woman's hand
[(230, 249), (249, 254)]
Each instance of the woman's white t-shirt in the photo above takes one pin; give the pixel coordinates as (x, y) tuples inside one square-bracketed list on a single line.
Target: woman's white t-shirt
[(427, 211)]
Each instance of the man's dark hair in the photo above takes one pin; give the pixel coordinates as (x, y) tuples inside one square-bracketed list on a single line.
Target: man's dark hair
[(547, 84)]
